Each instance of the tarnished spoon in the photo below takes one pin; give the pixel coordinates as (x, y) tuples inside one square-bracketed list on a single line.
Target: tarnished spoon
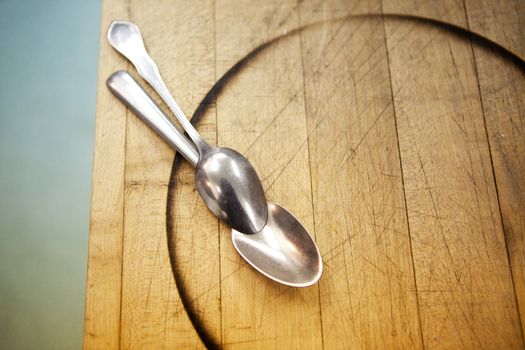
[(225, 179), (283, 250)]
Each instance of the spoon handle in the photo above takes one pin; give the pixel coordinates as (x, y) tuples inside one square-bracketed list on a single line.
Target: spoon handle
[(125, 37), (122, 85)]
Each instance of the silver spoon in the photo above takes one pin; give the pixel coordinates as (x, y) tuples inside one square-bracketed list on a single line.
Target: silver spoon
[(225, 179), (283, 250)]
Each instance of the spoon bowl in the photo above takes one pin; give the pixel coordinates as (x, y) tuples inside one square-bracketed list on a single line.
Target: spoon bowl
[(231, 189), (283, 250)]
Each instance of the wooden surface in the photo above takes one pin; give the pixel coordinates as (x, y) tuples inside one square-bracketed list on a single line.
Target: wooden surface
[(399, 143)]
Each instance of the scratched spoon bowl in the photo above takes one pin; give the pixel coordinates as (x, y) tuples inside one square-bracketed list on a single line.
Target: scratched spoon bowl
[(283, 250), (224, 178)]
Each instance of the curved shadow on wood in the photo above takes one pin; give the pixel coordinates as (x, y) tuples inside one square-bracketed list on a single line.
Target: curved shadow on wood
[(210, 98)]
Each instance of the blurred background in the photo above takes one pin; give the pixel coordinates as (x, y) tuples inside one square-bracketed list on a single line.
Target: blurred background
[(48, 66)]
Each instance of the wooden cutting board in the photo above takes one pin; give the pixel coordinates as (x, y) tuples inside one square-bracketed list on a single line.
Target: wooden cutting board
[(398, 142)]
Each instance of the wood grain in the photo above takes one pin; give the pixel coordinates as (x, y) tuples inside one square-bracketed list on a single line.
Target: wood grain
[(502, 21), (368, 293), (466, 296), (399, 145), (502, 89), (103, 287)]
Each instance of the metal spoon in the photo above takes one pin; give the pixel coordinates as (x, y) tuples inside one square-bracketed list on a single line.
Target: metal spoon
[(225, 179), (283, 250)]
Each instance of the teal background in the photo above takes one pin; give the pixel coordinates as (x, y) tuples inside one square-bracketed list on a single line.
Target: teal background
[(48, 71)]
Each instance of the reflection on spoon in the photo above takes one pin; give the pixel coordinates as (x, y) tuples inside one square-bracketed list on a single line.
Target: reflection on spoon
[(283, 251)]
